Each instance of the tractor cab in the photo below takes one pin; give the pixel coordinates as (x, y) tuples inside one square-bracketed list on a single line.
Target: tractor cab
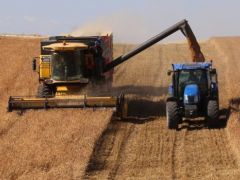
[(192, 92), (191, 81)]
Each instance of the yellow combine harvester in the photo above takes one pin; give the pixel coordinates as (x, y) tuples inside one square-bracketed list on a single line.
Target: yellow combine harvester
[(67, 65)]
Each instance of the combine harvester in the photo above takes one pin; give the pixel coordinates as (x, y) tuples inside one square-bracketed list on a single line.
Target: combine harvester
[(67, 65)]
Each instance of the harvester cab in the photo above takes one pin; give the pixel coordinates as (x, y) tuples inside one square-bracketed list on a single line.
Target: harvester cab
[(66, 62), (193, 93)]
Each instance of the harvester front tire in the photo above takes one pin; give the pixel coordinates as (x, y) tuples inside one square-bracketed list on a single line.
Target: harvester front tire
[(173, 116), (212, 112), (44, 91)]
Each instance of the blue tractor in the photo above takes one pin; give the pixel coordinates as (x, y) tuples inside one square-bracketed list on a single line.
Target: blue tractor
[(193, 93)]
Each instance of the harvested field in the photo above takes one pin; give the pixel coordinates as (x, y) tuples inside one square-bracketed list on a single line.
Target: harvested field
[(59, 144)]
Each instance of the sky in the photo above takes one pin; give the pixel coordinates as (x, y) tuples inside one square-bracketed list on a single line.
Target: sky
[(131, 21)]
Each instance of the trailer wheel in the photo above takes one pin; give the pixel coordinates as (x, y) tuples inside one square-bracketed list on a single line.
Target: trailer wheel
[(212, 112), (173, 116), (44, 91)]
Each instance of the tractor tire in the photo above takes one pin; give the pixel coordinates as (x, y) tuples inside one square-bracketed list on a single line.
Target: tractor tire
[(173, 116), (44, 91), (212, 112)]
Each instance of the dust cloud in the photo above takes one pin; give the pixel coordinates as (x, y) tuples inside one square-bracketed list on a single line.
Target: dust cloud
[(127, 28)]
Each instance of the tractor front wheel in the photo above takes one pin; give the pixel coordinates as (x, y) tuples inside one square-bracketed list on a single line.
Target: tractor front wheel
[(173, 116)]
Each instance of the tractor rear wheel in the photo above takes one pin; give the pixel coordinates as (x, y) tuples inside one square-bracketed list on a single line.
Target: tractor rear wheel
[(212, 112), (173, 116), (44, 91)]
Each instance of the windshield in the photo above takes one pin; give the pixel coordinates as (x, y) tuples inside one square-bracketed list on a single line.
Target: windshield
[(198, 77), (67, 65)]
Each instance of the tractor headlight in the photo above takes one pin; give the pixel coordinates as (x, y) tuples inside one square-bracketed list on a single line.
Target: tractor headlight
[(185, 99), (195, 99)]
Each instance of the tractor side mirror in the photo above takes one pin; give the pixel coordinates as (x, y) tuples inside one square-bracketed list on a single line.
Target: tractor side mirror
[(169, 72), (34, 64)]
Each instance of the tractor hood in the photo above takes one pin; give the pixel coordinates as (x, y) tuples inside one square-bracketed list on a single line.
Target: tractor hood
[(191, 94)]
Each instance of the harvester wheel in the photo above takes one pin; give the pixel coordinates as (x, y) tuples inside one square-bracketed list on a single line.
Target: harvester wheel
[(173, 116), (44, 91), (212, 112)]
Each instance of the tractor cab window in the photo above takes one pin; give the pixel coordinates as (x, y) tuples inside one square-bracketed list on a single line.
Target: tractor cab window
[(67, 65), (198, 77)]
